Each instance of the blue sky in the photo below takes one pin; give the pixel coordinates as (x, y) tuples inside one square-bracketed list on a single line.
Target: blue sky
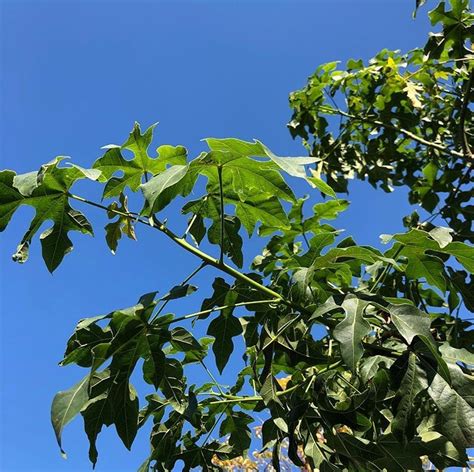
[(75, 76)]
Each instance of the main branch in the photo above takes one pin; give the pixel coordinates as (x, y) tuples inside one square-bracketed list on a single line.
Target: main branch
[(153, 222)]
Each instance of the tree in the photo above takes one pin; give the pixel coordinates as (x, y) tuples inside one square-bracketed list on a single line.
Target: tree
[(390, 381)]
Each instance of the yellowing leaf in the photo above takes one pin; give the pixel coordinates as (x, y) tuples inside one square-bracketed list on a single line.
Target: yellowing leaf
[(412, 92)]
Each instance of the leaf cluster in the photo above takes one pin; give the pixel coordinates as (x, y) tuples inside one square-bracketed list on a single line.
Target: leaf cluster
[(400, 120), (355, 358)]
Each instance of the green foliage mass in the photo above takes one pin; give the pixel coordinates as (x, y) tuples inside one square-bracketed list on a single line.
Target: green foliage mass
[(391, 380)]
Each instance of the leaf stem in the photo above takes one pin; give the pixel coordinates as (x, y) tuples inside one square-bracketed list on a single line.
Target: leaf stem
[(184, 282), (212, 429), (282, 393), (216, 383), (193, 219), (384, 273), (190, 225), (217, 308)]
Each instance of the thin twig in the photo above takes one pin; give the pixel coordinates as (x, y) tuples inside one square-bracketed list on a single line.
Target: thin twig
[(184, 282)]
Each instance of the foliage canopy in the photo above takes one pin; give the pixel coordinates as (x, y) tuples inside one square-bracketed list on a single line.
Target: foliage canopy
[(391, 381)]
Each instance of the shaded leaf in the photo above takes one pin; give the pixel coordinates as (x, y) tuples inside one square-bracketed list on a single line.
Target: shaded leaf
[(350, 332), (66, 405), (410, 321), (179, 291), (223, 328), (414, 382), (458, 415)]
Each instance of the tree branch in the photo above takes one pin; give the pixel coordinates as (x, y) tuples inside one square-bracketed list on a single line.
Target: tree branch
[(153, 222), (408, 134)]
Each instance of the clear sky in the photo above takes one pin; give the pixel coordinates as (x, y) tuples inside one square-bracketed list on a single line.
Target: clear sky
[(75, 75)]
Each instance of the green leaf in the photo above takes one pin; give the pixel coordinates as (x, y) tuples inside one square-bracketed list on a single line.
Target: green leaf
[(96, 414), (442, 452), (180, 291), (184, 341), (453, 355), (414, 381), (322, 186), (250, 210), (47, 192), (122, 396), (294, 166), (261, 209), (269, 391), (463, 286), (85, 338), (458, 415), (66, 405), (197, 230), (123, 224), (195, 355), (312, 448), (316, 244), (399, 457), (326, 307), (423, 241), (245, 176), (422, 266), (223, 328), (236, 425), (353, 447), (124, 405), (374, 364), (429, 346), (113, 162), (154, 365), (352, 252), (236, 146), (232, 239), (330, 210), (350, 332), (138, 143), (173, 382), (430, 171), (410, 321), (301, 290), (153, 189), (221, 296)]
